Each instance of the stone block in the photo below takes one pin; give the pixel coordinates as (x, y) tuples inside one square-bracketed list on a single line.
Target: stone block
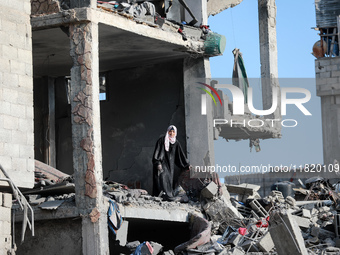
[(24, 124), (7, 200), (19, 164), (0, 196), (11, 122), (5, 228), (306, 213), (266, 243), (5, 214), (334, 61), (6, 161), (29, 114), (236, 251), (122, 233), (210, 191), (12, 149), (335, 74), (25, 56), (9, 94), (157, 248), (258, 208), (26, 151), (303, 213), (4, 63), (302, 222), (10, 52), (325, 75), (19, 137), (29, 71), (25, 82), (331, 68), (221, 212), (332, 80), (132, 245), (5, 107), (18, 110)]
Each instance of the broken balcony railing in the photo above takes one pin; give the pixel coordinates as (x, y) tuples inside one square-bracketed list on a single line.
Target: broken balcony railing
[(24, 205)]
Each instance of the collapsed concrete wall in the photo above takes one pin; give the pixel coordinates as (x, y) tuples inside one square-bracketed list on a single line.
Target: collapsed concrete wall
[(16, 95)]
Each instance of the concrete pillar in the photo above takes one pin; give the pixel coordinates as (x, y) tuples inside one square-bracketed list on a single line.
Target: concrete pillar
[(327, 72), (86, 137), (268, 54), (199, 128)]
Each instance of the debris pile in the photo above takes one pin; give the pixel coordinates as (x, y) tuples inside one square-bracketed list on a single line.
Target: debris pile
[(246, 223), (52, 188), (223, 219)]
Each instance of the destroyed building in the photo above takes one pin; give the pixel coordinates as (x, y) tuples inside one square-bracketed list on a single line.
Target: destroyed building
[(86, 88)]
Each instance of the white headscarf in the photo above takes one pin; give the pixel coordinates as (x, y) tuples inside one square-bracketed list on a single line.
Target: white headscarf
[(169, 139)]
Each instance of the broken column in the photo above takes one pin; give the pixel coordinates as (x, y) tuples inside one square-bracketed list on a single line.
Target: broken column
[(86, 137), (200, 146), (268, 54), (286, 234)]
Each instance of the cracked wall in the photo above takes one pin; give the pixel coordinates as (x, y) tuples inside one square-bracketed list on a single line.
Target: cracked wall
[(141, 104)]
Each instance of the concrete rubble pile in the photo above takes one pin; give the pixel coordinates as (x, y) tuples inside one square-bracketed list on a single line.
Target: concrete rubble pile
[(52, 189), (223, 219), (245, 223)]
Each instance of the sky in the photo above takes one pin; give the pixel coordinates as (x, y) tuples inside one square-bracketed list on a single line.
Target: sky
[(295, 38)]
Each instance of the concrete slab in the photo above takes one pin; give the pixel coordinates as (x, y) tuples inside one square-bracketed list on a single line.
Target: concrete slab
[(51, 205), (122, 233), (154, 213), (286, 234)]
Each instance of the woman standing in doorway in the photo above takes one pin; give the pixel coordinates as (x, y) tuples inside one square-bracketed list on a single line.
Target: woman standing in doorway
[(168, 153)]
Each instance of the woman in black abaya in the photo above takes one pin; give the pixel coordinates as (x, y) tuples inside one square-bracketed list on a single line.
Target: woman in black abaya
[(168, 153)]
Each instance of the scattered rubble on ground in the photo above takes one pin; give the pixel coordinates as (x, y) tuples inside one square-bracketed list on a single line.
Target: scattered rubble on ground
[(239, 222), (245, 223)]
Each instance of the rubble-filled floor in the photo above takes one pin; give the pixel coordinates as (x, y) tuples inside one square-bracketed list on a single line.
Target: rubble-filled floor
[(216, 219)]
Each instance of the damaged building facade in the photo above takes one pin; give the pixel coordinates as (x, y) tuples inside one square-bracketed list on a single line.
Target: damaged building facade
[(87, 87)]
